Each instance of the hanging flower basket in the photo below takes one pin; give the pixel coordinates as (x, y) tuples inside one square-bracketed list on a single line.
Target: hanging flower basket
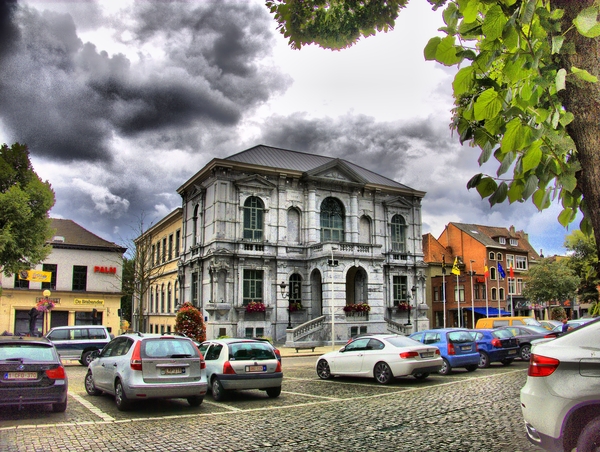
[(255, 306), (44, 305), (359, 307), (295, 306)]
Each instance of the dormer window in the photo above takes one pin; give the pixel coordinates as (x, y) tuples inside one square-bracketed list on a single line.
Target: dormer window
[(502, 241), (514, 242)]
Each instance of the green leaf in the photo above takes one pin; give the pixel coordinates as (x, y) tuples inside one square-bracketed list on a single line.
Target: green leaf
[(530, 186), (541, 198), (494, 23), (446, 52), (431, 48), (567, 216), (463, 81), (557, 42), (488, 105), (515, 192), (583, 75), (486, 187), (499, 195), (512, 140), (560, 80), (568, 181), (507, 161), (532, 157), (586, 22), (474, 181)]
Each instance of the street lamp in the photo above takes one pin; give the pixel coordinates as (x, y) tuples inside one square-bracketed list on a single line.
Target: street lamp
[(283, 286), (472, 294)]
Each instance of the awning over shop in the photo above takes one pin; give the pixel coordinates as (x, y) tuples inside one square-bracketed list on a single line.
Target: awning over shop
[(491, 312)]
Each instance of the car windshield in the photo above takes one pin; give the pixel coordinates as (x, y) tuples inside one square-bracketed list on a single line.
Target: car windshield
[(169, 348), (460, 336), (402, 341), (537, 329), (26, 352), (255, 351), (531, 321), (502, 334)]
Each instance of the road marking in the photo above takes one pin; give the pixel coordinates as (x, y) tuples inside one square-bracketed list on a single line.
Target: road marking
[(97, 411), (311, 395), (222, 405)]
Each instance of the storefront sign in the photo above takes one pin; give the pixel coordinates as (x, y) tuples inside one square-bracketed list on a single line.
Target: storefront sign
[(100, 269), (35, 275), (88, 302)]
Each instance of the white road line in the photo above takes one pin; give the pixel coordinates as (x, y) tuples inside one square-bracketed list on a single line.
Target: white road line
[(98, 412), (311, 395)]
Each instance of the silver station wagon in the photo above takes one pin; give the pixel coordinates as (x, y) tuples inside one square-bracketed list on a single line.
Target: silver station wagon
[(142, 366)]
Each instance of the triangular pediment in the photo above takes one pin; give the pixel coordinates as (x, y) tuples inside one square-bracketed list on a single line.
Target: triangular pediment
[(256, 182), (336, 170), (399, 202)]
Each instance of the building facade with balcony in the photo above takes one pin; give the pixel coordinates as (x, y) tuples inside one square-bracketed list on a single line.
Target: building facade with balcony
[(274, 241), (491, 262), (84, 286)]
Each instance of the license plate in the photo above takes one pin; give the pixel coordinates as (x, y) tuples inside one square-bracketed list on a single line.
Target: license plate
[(427, 355), (173, 371), (512, 352), (256, 368), (20, 376), (465, 348)]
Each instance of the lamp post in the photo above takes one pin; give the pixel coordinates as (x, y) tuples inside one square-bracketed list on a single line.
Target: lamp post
[(282, 286), (46, 293), (414, 296), (472, 294), (332, 263)]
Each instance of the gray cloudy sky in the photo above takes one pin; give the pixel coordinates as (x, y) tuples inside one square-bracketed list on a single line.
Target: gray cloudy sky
[(121, 102)]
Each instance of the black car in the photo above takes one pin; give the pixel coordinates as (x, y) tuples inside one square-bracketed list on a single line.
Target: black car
[(525, 335), (31, 373)]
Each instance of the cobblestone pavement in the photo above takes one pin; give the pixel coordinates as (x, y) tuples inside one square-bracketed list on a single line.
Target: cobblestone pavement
[(476, 411)]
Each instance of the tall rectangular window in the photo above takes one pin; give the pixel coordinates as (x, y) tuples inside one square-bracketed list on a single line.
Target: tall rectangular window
[(152, 255), (164, 253), (399, 289), (195, 289), (459, 292), (177, 242), (158, 252), (170, 247), (79, 277), (21, 283), (253, 286), (52, 269), (521, 262)]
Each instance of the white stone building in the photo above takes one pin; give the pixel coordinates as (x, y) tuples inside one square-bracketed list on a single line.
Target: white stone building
[(266, 223)]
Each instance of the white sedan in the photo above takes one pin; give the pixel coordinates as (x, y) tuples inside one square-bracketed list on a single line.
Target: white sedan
[(381, 356)]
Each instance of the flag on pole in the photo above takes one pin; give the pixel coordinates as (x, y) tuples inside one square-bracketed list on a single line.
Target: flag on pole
[(501, 270), (486, 272), (443, 264), (511, 272), (455, 269)]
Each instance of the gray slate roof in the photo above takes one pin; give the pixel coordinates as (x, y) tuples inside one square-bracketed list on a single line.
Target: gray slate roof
[(78, 237), (299, 161)]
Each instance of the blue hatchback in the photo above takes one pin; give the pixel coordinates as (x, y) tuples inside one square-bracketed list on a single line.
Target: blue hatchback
[(457, 347), (497, 345)]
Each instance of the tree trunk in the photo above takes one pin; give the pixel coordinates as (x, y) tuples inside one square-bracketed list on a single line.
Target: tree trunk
[(583, 100)]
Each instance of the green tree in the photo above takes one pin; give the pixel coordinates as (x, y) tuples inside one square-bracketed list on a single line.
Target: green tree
[(24, 204), (526, 92), (584, 262), (550, 281)]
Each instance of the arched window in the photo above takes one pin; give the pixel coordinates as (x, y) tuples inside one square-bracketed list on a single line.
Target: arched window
[(501, 293), (494, 297), (398, 234), (364, 229), (332, 221), (150, 307), (162, 299), (293, 226), (195, 226), (176, 300), (295, 288), (493, 273), (253, 218)]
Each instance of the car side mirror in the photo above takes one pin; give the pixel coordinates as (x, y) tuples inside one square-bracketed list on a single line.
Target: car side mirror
[(343, 349)]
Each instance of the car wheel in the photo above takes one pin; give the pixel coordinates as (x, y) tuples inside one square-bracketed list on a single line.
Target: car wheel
[(323, 370), (195, 401), (526, 352), (274, 392), (86, 359), (506, 362), (59, 407), (589, 440), (472, 368), (217, 390), (484, 360), (123, 404), (446, 368), (422, 376), (382, 373), (90, 388)]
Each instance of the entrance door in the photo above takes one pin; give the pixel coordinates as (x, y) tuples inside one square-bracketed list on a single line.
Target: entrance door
[(59, 318), (316, 290)]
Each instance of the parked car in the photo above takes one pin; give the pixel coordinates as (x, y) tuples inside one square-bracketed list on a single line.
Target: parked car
[(383, 357), (550, 324), (526, 335), (31, 373), (561, 397), (572, 324), (78, 342), (457, 347), (238, 364), (142, 366), (495, 322), (495, 345)]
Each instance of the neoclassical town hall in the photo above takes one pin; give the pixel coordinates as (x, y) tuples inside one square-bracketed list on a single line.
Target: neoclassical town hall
[(273, 239)]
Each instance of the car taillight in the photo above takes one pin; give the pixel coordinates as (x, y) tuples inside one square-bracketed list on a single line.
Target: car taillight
[(496, 342), (227, 369), (437, 351), (278, 368), (542, 366), (56, 374), (406, 355), (451, 348), (277, 353), (136, 357), (202, 364)]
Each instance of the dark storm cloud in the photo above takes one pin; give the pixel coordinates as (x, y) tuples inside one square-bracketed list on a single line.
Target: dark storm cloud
[(68, 99)]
